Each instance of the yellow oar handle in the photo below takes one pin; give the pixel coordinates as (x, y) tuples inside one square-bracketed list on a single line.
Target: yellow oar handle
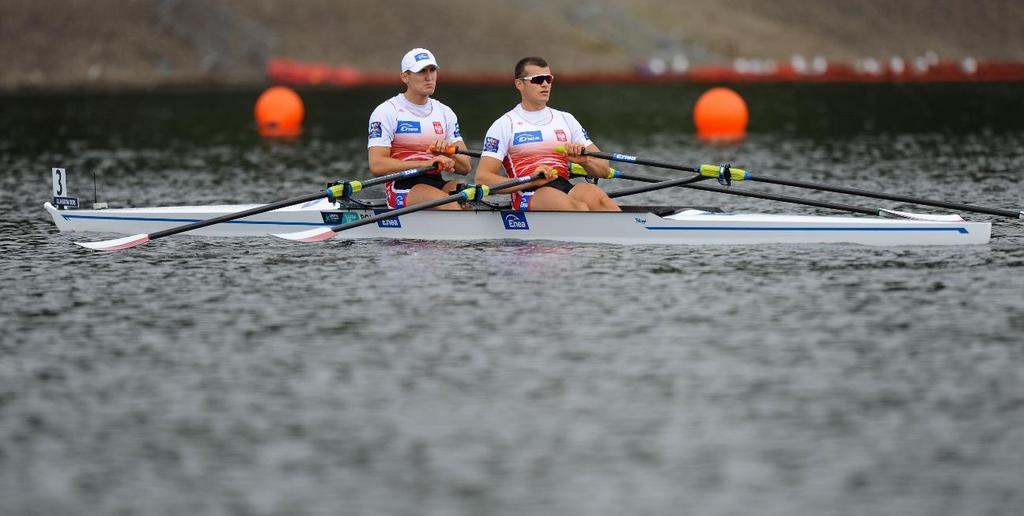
[(475, 192), (343, 189), (575, 169), (718, 171)]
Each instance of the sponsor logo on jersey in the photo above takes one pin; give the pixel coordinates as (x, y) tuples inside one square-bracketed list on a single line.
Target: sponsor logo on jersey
[(375, 130), (490, 144), (421, 56), (390, 222), (527, 137), (560, 135), (407, 127), (458, 132), (515, 221), (438, 128), (586, 135)]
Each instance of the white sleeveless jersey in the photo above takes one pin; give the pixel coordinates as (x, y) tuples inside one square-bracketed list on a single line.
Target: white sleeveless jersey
[(523, 140), (410, 128)]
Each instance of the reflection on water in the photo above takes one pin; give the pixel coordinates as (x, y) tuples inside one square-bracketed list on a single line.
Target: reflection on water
[(263, 377)]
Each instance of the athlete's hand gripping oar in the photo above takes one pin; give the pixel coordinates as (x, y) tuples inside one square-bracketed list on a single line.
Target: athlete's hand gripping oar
[(470, 193), (452, 150), (341, 190), (726, 175)]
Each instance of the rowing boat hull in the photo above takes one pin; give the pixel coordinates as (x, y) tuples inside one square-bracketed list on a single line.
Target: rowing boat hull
[(688, 227)]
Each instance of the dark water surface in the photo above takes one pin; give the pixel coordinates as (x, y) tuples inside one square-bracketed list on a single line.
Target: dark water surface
[(206, 376)]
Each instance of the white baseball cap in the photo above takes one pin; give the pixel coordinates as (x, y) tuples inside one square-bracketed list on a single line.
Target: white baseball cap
[(417, 59)]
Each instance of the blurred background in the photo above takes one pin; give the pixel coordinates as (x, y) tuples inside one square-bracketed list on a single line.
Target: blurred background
[(58, 44)]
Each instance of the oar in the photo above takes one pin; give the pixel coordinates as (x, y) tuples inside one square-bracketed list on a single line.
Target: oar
[(660, 183), (340, 190), (452, 150), (471, 192), (726, 174)]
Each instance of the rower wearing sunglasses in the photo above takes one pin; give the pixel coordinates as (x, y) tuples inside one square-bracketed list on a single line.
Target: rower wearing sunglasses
[(403, 127), (523, 141)]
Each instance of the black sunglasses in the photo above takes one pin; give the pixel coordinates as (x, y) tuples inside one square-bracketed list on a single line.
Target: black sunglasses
[(539, 78)]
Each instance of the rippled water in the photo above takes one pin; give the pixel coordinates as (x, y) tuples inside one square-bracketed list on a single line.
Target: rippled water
[(240, 376)]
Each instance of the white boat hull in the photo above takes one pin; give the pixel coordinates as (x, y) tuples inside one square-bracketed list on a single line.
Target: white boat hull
[(689, 227)]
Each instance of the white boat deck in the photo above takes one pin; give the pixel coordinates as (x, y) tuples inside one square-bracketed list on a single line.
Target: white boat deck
[(637, 225)]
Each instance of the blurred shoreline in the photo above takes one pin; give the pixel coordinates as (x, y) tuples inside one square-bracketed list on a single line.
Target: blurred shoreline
[(117, 45)]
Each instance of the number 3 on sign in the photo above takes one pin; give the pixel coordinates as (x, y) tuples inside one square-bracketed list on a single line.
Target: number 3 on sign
[(60, 182)]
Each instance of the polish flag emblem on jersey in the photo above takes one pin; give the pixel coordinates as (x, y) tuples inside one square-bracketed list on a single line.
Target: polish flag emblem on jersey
[(437, 128), (560, 135)]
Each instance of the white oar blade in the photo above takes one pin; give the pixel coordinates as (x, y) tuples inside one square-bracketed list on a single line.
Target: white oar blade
[(311, 235), (116, 244)]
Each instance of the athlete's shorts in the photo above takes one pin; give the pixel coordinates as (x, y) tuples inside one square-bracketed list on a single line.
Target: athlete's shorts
[(521, 199), (397, 191)]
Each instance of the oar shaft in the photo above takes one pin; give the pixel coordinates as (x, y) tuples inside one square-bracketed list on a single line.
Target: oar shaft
[(353, 186), (685, 183), (232, 216), (613, 156), (466, 152), (886, 196), (744, 175)]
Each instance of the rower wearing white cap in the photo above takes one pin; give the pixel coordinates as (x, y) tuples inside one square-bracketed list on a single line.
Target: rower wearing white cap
[(525, 140), (404, 128)]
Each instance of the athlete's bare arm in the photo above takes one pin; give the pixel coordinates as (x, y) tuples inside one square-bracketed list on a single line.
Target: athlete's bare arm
[(489, 171), (381, 163), (463, 165)]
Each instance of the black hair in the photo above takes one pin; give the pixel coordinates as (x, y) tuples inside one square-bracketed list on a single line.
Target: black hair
[(532, 60)]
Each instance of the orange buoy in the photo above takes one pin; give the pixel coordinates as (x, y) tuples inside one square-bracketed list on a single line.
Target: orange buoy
[(279, 112), (720, 115)]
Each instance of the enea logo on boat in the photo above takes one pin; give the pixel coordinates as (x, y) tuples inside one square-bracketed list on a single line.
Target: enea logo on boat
[(515, 220), (390, 222), (527, 137), (408, 126)]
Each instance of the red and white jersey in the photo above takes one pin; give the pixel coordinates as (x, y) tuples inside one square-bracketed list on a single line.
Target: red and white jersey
[(524, 140), (410, 128)]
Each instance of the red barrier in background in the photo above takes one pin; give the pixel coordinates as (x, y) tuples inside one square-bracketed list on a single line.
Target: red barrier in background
[(296, 73)]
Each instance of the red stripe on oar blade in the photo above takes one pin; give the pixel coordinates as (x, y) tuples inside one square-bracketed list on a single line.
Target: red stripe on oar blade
[(311, 235), (117, 244)]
